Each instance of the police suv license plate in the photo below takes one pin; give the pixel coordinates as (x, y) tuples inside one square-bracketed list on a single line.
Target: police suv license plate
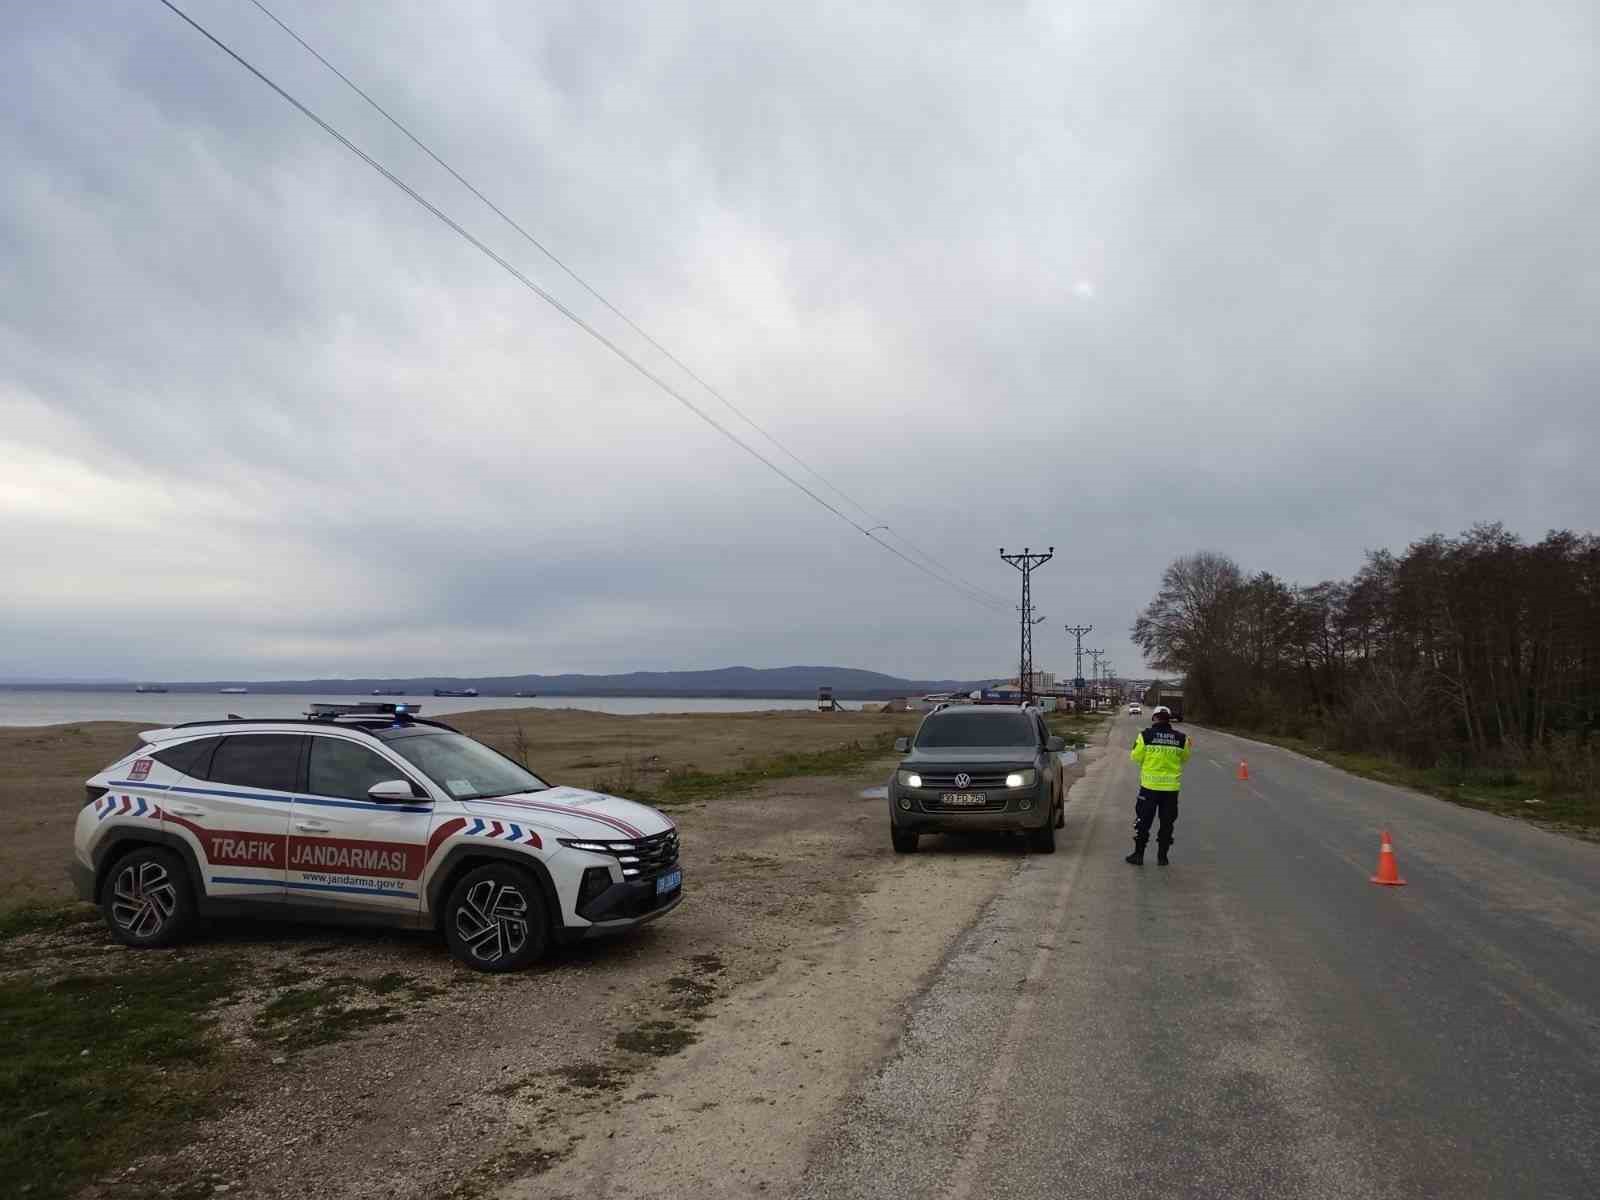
[(670, 882), (964, 799)]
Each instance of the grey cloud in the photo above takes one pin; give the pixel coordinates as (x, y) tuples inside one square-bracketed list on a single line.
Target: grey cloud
[(1285, 282)]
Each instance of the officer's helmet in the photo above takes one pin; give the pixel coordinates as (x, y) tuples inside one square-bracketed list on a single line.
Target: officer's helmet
[(1162, 713)]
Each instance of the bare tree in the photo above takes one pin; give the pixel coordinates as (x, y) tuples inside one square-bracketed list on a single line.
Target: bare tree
[(1192, 625), (1479, 648)]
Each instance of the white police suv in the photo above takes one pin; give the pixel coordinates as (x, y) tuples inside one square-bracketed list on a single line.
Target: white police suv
[(365, 813)]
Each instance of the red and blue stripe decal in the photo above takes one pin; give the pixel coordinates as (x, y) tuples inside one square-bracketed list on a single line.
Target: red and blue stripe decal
[(570, 810), (125, 806), (480, 827), (506, 831)]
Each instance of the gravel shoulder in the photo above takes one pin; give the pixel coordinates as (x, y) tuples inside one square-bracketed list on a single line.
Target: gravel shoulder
[(743, 1111)]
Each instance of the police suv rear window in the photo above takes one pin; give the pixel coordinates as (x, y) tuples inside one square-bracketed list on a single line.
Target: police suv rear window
[(190, 758), (270, 761)]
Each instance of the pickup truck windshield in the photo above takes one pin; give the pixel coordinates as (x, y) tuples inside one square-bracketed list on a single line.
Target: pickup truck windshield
[(466, 769), (977, 730)]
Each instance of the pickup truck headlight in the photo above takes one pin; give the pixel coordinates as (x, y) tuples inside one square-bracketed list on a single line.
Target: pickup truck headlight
[(1019, 779), (908, 779)]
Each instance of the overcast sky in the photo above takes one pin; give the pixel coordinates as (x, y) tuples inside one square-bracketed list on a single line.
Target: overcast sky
[(1287, 280)]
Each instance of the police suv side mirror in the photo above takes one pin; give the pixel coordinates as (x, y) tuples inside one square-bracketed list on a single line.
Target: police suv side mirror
[(1056, 745), (391, 790), (902, 744)]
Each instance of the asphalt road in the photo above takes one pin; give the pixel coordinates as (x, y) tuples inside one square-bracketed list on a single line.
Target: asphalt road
[(1257, 1019)]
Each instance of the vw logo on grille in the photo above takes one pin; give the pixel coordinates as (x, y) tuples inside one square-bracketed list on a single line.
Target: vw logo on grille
[(963, 779)]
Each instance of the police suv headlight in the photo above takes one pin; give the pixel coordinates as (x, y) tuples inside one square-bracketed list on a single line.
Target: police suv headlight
[(909, 779), (1019, 779)]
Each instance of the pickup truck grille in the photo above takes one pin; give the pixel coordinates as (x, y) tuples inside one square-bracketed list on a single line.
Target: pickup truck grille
[(981, 781)]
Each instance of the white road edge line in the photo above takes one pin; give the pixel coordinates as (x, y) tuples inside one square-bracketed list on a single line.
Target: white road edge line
[(963, 1178)]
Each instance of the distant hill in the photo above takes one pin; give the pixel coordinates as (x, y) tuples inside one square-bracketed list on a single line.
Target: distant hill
[(849, 683)]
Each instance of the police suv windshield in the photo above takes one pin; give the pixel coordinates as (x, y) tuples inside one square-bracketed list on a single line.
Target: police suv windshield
[(468, 770), (978, 730)]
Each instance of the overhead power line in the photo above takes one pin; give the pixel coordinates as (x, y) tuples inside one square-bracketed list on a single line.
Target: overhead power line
[(572, 274), (548, 298)]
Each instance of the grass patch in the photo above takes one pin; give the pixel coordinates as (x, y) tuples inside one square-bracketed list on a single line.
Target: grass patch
[(327, 1012), (101, 1068), (688, 783), (660, 1039), (516, 1163), (1076, 727), (43, 918), (1509, 791), (591, 1077), (690, 995)]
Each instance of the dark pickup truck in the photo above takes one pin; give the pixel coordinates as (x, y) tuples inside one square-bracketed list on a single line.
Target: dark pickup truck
[(978, 768)]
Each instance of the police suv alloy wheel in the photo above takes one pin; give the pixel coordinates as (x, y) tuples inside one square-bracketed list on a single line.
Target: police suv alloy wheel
[(146, 898), (495, 918)]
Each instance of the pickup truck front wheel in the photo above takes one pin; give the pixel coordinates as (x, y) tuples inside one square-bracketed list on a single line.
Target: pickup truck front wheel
[(1043, 839), (905, 842)]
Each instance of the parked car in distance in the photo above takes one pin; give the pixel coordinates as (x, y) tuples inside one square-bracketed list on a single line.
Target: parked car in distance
[(365, 813), (975, 768), (1134, 710)]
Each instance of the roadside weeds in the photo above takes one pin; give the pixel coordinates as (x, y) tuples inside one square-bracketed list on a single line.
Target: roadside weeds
[(638, 778)]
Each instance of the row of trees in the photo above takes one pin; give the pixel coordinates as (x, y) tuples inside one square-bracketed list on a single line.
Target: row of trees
[(1478, 649)]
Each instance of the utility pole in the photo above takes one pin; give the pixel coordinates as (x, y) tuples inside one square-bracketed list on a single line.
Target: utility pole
[(1078, 631), (1025, 563), (1097, 655)]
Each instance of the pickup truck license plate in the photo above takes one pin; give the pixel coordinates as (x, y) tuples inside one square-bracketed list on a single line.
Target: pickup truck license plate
[(670, 882), (964, 799)]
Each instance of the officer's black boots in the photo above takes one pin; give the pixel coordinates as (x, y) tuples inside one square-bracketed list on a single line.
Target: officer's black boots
[(1137, 857), (1161, 854)]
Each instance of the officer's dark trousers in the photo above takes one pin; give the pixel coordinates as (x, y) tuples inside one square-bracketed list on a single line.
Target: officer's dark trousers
[(1145, 809)]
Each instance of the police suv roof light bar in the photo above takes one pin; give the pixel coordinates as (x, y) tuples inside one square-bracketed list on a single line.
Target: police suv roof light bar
[(401, 712)]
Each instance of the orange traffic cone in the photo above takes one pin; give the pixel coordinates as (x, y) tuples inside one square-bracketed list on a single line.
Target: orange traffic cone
[(1388, 870), (1244, 769)]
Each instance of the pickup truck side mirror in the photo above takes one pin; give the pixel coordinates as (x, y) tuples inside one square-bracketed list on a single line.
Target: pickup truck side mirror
[(902, 744), (392, 791), (1056, 745)]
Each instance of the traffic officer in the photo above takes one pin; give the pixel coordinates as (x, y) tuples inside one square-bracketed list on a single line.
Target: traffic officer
[(1160, 752)]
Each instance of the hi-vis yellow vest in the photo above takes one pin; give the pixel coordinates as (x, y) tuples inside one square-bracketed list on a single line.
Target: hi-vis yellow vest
[(1161, 752)]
